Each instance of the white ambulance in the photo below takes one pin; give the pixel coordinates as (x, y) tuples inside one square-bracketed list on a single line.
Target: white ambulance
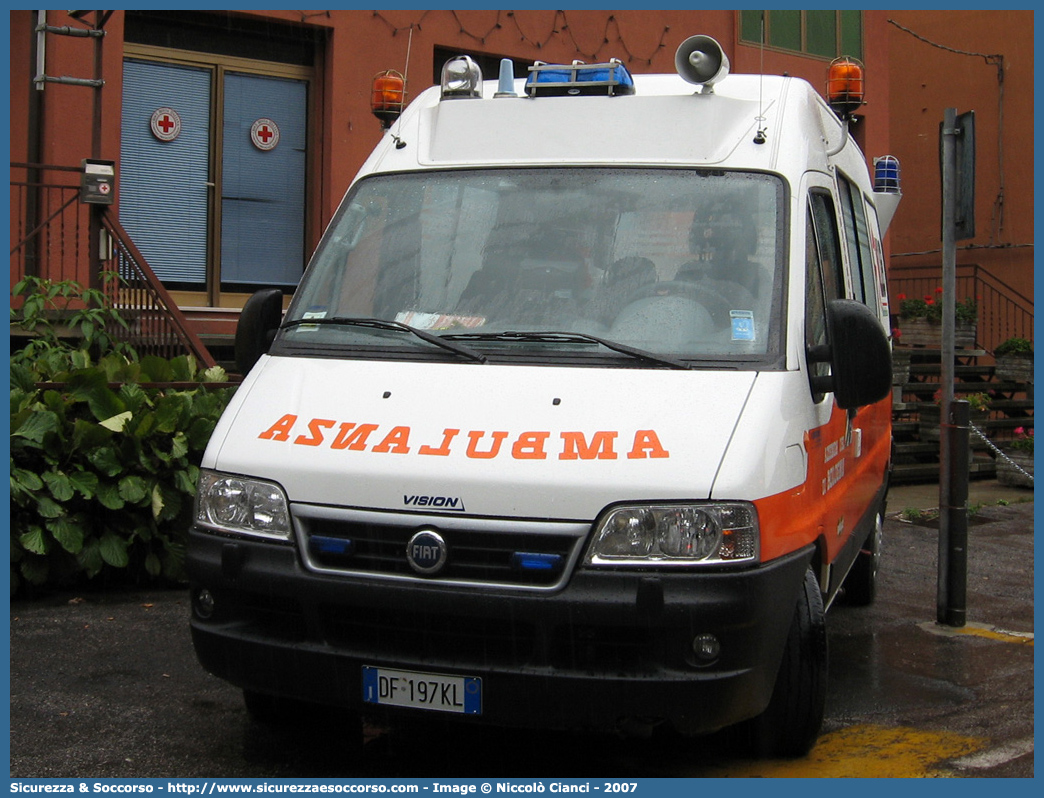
[(579, 418)]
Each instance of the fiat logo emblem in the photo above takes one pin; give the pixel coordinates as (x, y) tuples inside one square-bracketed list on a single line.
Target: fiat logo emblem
[(426, 552)]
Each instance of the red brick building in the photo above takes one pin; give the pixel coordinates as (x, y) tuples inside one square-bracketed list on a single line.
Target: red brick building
[(217, 212), (979, 61)]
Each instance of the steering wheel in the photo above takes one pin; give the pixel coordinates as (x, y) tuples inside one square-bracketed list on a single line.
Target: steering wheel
[(711, 297)]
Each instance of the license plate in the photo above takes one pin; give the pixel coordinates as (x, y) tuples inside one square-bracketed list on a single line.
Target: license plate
[(388, 687)]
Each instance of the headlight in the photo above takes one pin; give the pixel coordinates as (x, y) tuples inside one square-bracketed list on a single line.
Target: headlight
[(242, 506), (676, 535)]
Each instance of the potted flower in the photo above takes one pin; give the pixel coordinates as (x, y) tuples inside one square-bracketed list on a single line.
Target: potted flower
[(1014, 360), (978, 403), (921, 320), (1015, 462), (929, 416)]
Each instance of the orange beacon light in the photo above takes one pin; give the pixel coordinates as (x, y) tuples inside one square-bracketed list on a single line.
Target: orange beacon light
[(388, 97), (845, 85)]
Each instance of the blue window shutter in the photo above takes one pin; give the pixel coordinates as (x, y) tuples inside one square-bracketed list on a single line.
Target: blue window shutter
[(163, 185), (263, 191)]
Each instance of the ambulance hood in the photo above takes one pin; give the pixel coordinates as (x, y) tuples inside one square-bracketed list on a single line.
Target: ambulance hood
[(479, 439)]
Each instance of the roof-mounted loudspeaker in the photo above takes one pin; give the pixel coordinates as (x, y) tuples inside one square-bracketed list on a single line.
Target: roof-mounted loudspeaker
[(701, 60)]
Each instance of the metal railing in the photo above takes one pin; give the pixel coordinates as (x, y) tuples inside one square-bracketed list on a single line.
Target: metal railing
[(156, 325), (48, 225), (1003, 312), (51, 231)]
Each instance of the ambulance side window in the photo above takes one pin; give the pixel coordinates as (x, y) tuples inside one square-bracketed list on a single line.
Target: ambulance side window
[(880, 293), (823, 277), (829, 243), (857, 241), (815, 304)]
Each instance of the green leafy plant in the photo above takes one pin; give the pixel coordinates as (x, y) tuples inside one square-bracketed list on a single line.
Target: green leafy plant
[(1014, 347), (966, 310), (916, 515), (979, 401), (104, 455), (912, 514), (930, 308), (1022, 442), (66, 320)]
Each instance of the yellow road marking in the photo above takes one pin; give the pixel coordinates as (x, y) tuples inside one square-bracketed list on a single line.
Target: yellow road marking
[(980, 630), (867, 751)]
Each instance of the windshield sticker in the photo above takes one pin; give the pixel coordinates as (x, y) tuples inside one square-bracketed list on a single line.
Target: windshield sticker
[(742, 325), (472, 444), (437, 321), (312, 313)]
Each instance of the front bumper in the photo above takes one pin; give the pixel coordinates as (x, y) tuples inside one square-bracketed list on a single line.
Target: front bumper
[(610, 648)]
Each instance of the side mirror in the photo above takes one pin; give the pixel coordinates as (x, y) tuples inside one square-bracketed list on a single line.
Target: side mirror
[(859, 355), (258, 322)]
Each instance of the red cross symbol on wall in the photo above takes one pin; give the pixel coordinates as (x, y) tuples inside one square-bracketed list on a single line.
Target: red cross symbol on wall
[(264, 133), (166, 124)]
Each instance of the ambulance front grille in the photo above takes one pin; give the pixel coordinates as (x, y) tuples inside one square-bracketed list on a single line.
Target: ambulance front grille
[(523, 554)]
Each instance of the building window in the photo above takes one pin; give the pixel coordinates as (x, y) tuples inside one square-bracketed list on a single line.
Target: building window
[(215, 212), (824, 34)]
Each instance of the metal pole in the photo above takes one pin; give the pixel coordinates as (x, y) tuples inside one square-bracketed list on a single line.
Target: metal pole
[(95, 211), (947, 453), (33, 150), (96, 126), (954, 611), (41, 50)]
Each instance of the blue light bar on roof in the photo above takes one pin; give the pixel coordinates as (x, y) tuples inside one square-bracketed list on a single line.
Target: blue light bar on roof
[(578, 78)]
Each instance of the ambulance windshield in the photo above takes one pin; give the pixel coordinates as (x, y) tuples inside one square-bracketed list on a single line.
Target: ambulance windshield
[(684, 263)]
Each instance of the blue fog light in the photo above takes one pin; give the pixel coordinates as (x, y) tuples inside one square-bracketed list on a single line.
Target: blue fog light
[(523, 561), (327, 545)]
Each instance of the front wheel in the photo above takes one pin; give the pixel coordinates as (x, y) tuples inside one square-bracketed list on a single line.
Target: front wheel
[(790, 723), (861, 583)]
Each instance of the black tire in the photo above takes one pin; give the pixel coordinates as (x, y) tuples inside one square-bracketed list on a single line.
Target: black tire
[(790, 723), (861, 583)]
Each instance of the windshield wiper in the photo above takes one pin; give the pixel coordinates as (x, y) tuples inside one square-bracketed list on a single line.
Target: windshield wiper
[(568, 337), (395, 326)]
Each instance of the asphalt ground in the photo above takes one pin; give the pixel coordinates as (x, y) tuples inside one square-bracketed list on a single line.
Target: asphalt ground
[(106, 685)]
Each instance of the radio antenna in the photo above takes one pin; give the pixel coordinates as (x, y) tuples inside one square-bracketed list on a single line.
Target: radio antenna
[(399, 143), (759, 137), (406, 70)]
